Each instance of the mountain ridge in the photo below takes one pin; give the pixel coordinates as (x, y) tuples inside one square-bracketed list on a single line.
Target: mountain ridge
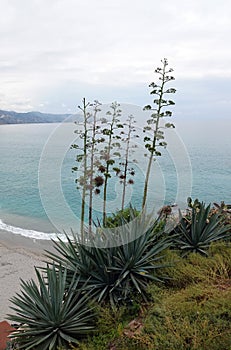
[(12, 117)]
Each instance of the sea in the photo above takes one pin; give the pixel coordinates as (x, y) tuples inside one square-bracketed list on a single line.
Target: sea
[(39, 196)]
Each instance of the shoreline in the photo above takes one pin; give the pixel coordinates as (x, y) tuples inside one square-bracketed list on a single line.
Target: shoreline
[(18, 257)]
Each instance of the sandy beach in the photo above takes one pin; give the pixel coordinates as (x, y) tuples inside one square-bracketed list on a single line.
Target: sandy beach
[(18, 257)]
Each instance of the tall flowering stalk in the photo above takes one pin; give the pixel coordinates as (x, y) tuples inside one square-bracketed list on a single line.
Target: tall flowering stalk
[(111, 150), (81, 157), (154, 142), (94, 182), (87, 158), (126, 172)]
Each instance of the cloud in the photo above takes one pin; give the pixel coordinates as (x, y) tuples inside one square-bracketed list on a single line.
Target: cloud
[(47, 45), (203, 98)]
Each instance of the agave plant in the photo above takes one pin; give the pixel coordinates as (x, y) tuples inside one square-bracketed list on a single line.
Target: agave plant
[(199, 229), (115, 273), (51, 315)]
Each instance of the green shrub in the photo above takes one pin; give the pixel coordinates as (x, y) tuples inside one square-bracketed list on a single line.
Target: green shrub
[(198, 317), (121, 217), (181, 272), (110, 327), (220, 257), (197, 268)]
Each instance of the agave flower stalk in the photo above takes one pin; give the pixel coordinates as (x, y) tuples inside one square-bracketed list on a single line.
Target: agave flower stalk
[(82, 157), (153, 142), (88, 157), (107, 154), (126, 170), (93, 158)]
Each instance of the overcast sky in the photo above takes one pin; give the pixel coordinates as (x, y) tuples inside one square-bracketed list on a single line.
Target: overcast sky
[(54, 52)]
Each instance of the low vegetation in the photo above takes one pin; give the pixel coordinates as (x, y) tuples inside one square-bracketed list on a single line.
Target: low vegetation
[(191, 311), (144, 294)]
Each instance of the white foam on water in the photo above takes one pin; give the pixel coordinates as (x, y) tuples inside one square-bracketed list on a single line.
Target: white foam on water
[(30, 233)]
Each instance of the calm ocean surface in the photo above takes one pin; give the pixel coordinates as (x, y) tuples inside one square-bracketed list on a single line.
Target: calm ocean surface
[(207, 145)]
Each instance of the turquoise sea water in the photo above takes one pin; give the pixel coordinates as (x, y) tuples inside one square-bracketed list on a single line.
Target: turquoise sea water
[(35, 161)]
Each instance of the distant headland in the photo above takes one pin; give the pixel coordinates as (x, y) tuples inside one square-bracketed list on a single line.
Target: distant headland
[(11, 117)]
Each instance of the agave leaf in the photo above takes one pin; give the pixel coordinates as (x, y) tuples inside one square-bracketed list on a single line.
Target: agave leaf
[(135, 282), (106, 272), (63, 311)]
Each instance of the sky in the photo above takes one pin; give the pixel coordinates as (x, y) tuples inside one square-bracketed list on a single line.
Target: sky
[(55, 52)]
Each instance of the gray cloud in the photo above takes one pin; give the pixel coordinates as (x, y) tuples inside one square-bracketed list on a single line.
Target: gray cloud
[(109, 48)]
